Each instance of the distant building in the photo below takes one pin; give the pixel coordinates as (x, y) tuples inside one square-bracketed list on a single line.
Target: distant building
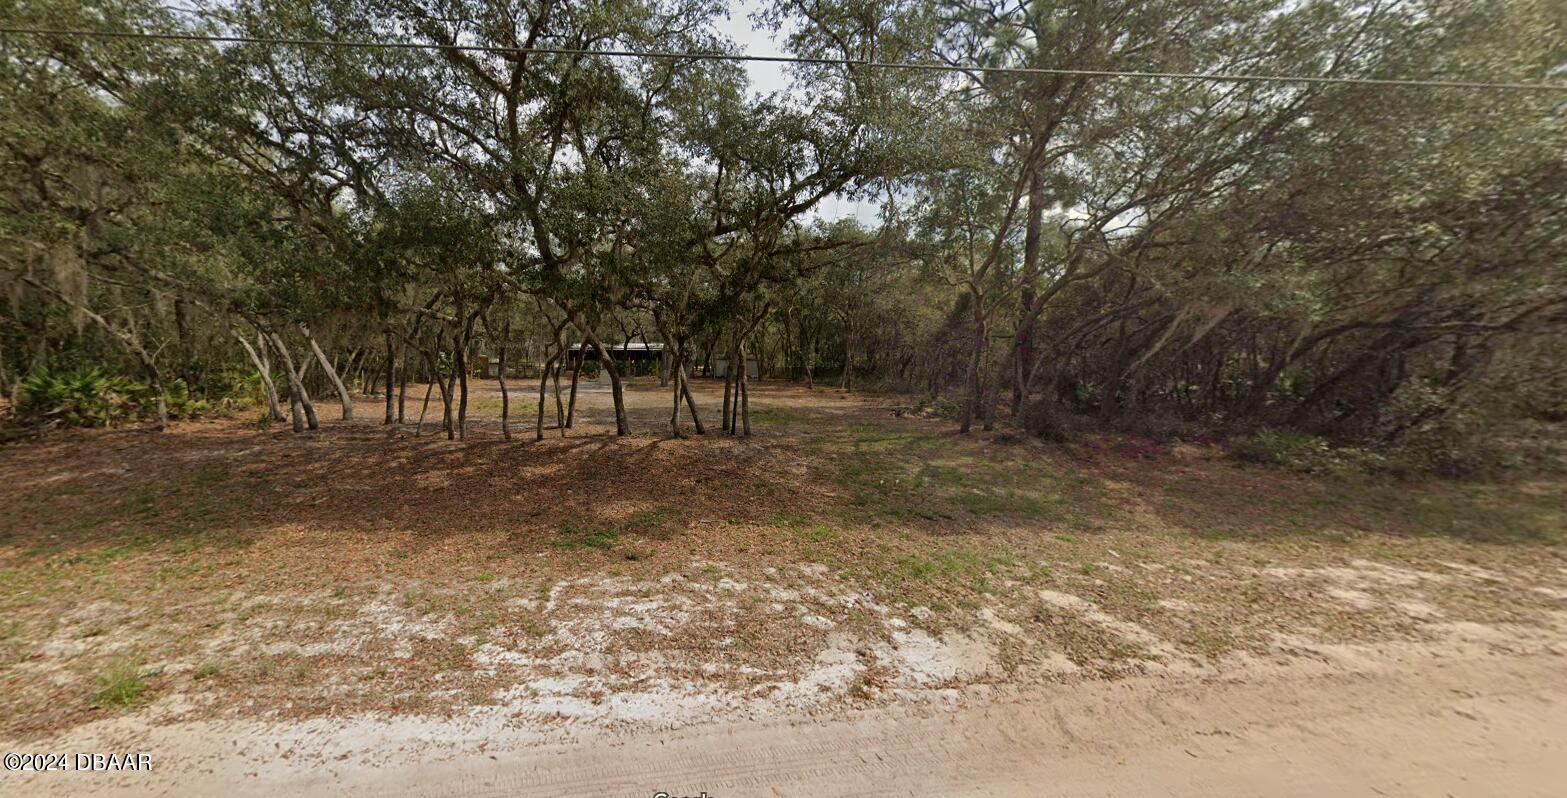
[(721, 368), (622, 352)]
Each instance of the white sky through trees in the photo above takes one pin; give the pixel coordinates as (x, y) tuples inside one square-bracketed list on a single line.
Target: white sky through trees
[(768, 77)]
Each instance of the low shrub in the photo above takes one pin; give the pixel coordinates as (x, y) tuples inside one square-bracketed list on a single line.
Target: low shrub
[(1045, 420), (81, 398), (180, 403), (1303, 452), (89, 397), (930, 407), (1466, 445)]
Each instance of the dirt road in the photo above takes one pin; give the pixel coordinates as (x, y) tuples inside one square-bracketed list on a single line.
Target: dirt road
[(1493, 725)]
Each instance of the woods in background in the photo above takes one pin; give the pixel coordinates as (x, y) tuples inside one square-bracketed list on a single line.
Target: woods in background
[(1384, 266)]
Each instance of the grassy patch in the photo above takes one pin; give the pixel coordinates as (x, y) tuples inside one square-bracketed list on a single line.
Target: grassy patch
[(121, 685), (654, 523), (817, 533), (937, 578), (578, 535), (1010, 502), (775, 415)]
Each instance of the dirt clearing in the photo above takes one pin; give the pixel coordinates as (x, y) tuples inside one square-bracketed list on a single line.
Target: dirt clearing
[(284, 612)]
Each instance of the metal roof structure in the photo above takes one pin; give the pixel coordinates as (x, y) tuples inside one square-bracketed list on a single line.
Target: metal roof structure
[(630, 346)]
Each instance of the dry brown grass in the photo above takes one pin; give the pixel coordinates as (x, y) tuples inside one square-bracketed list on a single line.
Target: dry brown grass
[(234, 562)]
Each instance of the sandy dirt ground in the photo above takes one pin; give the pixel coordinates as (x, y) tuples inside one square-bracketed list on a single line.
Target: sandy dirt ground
[(852, 602), (1459, 726)]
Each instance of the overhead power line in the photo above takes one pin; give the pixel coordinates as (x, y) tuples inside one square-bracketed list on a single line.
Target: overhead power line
[(1216, 77)]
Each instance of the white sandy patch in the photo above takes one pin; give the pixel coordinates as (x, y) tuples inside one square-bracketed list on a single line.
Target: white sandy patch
[(998, 623), (1360, 574), (1358, 599), (1474, 571), (922, 660), (1419, 610)]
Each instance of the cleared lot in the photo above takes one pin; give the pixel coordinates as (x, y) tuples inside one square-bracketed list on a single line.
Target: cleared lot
[(243, 601)]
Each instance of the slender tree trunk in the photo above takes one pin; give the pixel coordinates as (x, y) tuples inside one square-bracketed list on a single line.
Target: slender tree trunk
[(268, 387), (745, 395), (560, 407), (402, 386), (576, 371), (685, 387), (971, 380), (729, 378), (343, 395), (155, 387), (296, 416), (432, 364), (187, 347), (505, 397), (847, 383), (544, 381), (460, 362), (622, 424), (810, 363), (617, 391), (429, 387), (296, 385), (1107, 404), (991, 394), (448, 400), (391, 375), (674, 413)]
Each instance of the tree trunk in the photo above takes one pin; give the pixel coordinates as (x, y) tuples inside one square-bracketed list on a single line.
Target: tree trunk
[(155, 386), (685, 387), (544, 381), (847, 383), (448, 398), (505, 397), (268, 387), (745, 395), (576, 371), (674, 413), (419, 428), (971, 381), (622, 423), (729, 378), (298, 397), (460, 363), (402, 387), (343, 395), (391, 376), (560, 407), (433, 366), (810, 362)]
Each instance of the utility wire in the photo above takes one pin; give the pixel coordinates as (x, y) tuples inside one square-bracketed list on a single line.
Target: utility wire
[(1217, 77)]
